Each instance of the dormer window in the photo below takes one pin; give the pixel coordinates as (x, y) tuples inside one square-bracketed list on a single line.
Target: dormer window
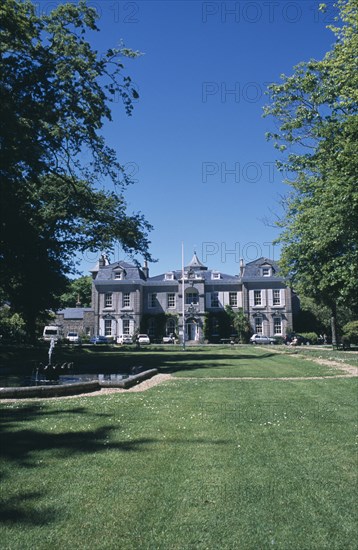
[(119, 274), (216, 275), (266, 271), (169, 276)]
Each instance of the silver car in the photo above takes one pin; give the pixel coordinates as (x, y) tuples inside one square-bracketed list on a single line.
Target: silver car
[(143, 339), (261, 339), (73, 337), (124, 339)]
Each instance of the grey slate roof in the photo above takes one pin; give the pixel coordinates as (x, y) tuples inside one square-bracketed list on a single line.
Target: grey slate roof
[(252, 270), (195, 263), (74, 312), (204, 274), (133, 273)]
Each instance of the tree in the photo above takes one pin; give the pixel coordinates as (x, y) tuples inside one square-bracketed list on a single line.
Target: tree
[(240, 323), (78, 291), (55, 95), (12, 326), (350, 332), (316, 111)]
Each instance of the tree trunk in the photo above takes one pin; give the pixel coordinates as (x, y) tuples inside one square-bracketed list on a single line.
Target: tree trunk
[(334, 326)]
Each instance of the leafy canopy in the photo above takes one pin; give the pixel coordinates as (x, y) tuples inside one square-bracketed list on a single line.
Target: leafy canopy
[(56, 93), (316, 111)]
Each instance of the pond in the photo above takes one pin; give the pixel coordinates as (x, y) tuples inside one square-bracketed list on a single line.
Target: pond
[(39, 379)]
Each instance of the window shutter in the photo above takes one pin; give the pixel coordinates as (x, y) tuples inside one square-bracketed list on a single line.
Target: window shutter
[(263, 297), (251, 298), (270, 297), (282, 297)]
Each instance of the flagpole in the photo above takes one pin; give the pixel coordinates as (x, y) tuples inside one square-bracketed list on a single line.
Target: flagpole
[(183, 292)]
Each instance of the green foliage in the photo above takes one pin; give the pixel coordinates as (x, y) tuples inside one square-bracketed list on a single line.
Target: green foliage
[(79, 290), (12, 326), (317, 318), (56, 92), (312, 317), (317, 112), (311, 336), (241, 323), (217, 325), (159, 325), (350, 332)]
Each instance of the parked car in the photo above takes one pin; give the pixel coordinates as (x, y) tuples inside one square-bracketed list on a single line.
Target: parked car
[(99, 340), (169, 339), (73, 338), (124, 339), (143, 339), (261, 339)]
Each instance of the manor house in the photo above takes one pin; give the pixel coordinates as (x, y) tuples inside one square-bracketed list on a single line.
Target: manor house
[(126, 300)]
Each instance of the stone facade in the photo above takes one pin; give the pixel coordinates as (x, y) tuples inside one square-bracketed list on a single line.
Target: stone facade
[(76, 319), (126, 300)]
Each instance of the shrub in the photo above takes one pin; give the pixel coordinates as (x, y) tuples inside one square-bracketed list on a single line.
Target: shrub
[(311, 336), (350, 332)]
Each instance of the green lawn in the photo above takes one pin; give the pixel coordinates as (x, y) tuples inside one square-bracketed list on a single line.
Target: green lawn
[(347, 357), (210, 361), (188, 464)]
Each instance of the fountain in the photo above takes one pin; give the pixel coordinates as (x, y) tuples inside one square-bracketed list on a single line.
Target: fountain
[(56, 379), (50, 373), (52, 346)]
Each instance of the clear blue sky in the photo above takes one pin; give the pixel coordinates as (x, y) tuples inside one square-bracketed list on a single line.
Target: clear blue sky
[(195, 145)]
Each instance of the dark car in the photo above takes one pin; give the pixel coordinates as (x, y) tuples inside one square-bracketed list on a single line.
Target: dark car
[(99, 340)]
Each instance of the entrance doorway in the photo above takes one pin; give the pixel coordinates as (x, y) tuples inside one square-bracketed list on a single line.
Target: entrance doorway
[(191, 330)]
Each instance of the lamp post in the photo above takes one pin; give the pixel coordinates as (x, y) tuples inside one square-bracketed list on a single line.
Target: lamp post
[(183, 294)]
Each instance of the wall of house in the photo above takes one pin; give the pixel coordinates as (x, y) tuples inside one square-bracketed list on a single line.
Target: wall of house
[(206, 283)]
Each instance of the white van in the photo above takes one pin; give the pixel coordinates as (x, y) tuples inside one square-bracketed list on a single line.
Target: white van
[(52, 331)]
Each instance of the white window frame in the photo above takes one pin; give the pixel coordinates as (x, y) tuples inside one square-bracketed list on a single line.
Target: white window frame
[(108, 327), (233, 301), (258, 325), (126, 299), (266, 271), (108, 299), (126, 325), (276, 297), (171, 300), (257, 298), (277, 325)]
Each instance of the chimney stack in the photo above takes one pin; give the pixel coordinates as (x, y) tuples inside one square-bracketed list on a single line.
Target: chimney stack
[(145, 269), (242, 265)]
